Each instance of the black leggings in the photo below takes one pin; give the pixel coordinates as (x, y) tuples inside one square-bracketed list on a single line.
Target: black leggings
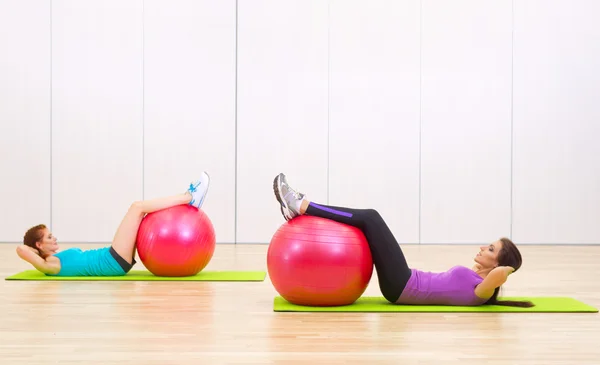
[(392, 271)]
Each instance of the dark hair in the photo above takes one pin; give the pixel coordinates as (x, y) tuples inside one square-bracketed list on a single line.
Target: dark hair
[(34, 235), (509, 255)]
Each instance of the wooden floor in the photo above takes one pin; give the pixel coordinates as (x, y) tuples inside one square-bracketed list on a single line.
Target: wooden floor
[(233, 323)]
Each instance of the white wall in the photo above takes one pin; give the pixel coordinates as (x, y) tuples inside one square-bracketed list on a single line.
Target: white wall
[(189, 103), (374, 110), (557, 122), (24, 116), (96, 115), (459, 122), (465, 121), (281, 108)]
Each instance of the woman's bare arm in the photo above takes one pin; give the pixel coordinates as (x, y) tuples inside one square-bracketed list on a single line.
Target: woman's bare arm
[(494, 279), (50, 265)]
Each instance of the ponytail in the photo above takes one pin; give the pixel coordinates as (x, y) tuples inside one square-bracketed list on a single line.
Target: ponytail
[(512, 303), (34, 235)]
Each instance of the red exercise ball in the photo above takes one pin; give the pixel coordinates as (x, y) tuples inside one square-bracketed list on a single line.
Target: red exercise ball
[(315, 261), (177, 241)]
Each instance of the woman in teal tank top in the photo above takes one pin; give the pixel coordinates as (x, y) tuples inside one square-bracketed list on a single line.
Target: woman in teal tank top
[(40, 249)]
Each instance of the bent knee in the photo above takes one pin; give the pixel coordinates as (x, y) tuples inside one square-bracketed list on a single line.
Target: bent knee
[(372, 213), (136, 207)]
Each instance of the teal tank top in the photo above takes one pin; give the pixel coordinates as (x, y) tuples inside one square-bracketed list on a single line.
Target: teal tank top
[(95, 262)]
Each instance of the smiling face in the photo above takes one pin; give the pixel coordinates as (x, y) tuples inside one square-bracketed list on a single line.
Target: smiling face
[(40, 238), (487, 257), (47, 245)]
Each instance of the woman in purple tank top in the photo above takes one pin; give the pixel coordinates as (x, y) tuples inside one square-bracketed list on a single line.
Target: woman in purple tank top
[(397, 281)]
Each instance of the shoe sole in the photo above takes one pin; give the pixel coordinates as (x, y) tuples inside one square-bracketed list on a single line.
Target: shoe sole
[(206, 192), (279, 198), (196, 204)]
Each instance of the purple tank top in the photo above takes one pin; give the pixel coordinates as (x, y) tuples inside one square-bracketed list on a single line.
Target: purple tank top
[(453, 287)]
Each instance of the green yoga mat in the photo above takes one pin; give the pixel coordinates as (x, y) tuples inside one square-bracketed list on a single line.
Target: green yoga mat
[(379, 304), (143, 275)]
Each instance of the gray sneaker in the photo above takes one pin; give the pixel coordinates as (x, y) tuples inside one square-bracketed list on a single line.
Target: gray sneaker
[(289, 198)]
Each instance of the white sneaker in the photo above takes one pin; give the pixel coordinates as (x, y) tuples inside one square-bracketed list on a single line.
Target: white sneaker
[(198, 190)]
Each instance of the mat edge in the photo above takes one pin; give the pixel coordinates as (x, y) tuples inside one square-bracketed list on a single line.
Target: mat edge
[(282, 302), (260, 276)]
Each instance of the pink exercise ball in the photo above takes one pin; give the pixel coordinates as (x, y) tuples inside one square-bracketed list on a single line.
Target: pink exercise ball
[(177, 241), (314, 261)]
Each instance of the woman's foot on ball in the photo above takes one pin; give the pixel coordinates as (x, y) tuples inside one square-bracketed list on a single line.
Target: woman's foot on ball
[(198, 190), (289, 199)]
